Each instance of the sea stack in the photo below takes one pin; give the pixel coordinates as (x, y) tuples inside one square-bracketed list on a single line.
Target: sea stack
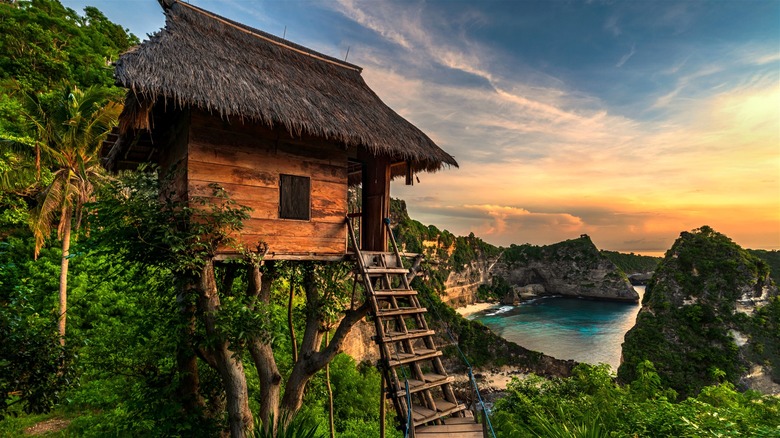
[(710, 314)]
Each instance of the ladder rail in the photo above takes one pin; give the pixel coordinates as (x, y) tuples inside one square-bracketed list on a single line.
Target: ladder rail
[(402, 347)]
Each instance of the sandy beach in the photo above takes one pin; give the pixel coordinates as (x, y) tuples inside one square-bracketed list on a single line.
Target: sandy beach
[(493, 379), (474, 308)]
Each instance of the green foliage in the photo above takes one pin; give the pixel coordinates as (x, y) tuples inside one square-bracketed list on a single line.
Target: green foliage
[(590, 404), (772, 259), (764, 331), (68, 132), (132, 215), (498, 288), (581, 249), (632, 263), (43, 43), (34, 368), (299, 426)]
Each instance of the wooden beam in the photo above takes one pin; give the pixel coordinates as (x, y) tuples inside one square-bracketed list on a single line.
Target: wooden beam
[(376, 202)]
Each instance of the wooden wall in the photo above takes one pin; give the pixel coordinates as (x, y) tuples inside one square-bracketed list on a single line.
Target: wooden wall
[(246, 160), (173, 157)]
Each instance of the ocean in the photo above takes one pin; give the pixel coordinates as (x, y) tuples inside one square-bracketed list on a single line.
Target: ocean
[(566, 328)]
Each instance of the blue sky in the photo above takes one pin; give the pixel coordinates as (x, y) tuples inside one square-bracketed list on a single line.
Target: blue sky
[(630, 121)]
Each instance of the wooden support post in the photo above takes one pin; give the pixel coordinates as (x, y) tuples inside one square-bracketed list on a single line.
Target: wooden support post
[(376, 202)]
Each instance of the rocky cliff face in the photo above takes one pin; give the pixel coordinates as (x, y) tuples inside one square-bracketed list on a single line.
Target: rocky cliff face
[(573, 268), (710, 312), (460, 288)]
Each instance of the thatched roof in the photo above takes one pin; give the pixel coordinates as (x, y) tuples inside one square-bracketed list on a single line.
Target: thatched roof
[(212, 63)]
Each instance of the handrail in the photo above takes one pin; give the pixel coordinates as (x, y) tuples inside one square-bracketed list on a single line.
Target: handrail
[(409, 422), (471, 373)]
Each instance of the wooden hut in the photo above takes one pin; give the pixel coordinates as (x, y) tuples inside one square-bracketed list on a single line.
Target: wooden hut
[(283, 129)]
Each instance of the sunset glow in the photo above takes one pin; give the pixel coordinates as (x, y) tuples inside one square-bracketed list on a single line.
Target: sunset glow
[(628, 121)]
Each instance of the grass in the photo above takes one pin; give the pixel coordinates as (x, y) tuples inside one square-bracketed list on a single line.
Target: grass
[(53, 424)]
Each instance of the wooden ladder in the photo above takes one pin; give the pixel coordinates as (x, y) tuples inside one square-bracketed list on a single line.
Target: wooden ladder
[(408, 355)]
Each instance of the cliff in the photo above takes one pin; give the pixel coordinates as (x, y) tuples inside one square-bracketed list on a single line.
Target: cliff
[(573, 268), (710, 313), (462, 288), (456, 267), (471, 269)]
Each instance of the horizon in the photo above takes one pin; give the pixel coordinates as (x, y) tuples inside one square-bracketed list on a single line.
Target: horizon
[(630, 122)]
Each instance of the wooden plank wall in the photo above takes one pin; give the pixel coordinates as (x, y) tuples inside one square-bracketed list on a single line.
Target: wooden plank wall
[(247, 160), (173, 157)]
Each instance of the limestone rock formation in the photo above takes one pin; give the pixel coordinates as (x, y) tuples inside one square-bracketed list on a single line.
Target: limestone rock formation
[(460, 288), (710, 312), (573, 268)]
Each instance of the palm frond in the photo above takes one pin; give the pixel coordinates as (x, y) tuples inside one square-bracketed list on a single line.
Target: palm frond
[(49, 207)]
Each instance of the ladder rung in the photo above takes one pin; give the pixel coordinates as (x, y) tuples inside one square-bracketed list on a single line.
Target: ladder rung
[(468, 419), (411, 334), (426, 415), (472, 430), (420, 413), (401, 311), (420, 355), (417, 386), (381, 293), (433, 377), (444, 405), (382, 271)]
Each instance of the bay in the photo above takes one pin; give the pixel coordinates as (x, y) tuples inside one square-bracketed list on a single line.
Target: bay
[(566, 328)]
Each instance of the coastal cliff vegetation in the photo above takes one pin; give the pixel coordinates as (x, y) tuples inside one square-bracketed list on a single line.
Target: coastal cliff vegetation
[(632, 263)]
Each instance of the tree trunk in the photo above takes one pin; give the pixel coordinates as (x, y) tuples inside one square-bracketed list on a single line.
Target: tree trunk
[(64, 277), (228, 365), (262, 353), (310, 358), (270, 383), (186, 359)]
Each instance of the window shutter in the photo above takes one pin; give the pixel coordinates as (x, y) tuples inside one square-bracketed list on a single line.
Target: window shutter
[(294, 197)]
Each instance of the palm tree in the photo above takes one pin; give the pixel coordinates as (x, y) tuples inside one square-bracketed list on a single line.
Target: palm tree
[(69, 132)]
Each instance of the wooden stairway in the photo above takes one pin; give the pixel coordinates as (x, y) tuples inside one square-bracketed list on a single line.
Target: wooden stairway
[(408, 355)]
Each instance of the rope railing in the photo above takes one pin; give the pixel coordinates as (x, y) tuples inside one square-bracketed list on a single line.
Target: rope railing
[(409, 423), (432, 306)]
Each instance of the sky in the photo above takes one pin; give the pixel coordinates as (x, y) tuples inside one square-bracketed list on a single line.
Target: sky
[(629, 121)]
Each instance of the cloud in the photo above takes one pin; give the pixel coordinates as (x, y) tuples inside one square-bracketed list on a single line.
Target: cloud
[(611, 25), (626, 57), (503, 216), (351, 10), (542, 162)]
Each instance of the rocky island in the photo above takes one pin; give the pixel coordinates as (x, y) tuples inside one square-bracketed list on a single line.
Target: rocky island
[(709, 314)]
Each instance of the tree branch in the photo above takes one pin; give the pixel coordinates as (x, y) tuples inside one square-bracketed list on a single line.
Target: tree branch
[(351, 317)]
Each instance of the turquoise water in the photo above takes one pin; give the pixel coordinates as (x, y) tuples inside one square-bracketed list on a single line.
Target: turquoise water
[(566, 328)]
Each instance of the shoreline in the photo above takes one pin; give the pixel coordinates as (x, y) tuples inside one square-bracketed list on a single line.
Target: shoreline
[(471, 309)]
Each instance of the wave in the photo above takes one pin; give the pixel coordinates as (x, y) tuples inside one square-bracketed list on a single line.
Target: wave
[(500, 310), (534, 300)]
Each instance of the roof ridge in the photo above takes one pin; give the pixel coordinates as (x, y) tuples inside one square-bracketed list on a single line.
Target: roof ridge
[(258, 34)]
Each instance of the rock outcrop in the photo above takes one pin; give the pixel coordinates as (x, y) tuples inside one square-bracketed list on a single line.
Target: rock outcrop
[(573, 268), (710, 313), (460, 288), (640, 279)]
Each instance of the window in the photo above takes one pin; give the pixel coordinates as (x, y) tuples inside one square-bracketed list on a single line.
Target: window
[(294, 197)]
